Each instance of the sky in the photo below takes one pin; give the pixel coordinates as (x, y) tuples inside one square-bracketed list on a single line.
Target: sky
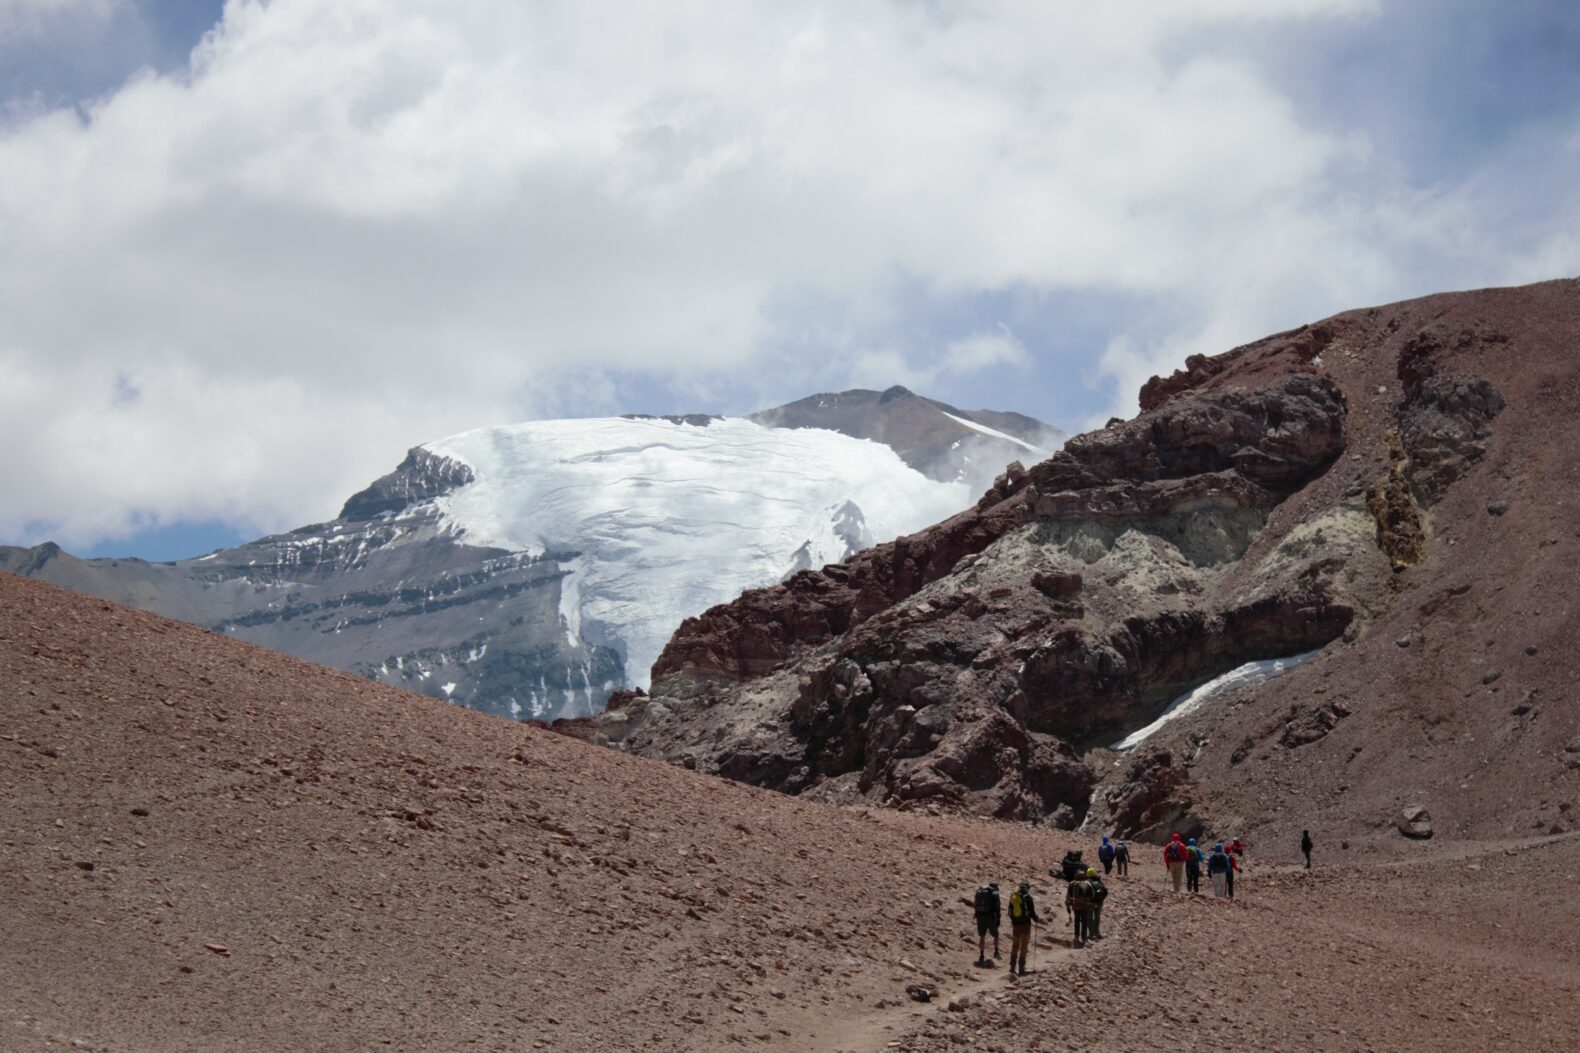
[(252, 252)]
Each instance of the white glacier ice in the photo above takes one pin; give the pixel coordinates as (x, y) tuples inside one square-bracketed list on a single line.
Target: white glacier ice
[(669, 519), (1249, 673)]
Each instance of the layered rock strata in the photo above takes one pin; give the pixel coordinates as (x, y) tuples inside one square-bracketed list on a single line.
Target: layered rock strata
[(1291, 495)]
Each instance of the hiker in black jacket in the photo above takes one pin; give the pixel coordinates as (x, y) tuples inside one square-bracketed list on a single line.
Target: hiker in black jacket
[(989, 909)]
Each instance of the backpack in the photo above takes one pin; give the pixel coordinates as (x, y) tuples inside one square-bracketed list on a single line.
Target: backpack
[(987, 903), (1106, 853), (1175, 852), (1193, 856), (1017, 907), (1099, 891), (1080, 892)]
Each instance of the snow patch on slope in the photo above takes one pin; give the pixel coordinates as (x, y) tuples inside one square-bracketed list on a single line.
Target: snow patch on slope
[(985, 430), (660, 520), (1247, 674)]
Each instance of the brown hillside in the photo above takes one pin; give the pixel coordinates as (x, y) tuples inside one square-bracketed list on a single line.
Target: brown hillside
[(210, 847)]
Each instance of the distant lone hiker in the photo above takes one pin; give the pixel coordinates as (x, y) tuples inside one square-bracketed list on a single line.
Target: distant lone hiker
[(1174, 859), (1022, 913), (1122, 857), (1305, 846), (989, 909)]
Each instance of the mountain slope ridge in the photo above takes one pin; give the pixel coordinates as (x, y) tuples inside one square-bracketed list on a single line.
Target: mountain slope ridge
[(531, 570)]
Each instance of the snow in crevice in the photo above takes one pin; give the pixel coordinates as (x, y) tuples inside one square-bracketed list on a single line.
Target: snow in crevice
[(668, 519), (1241, 676)]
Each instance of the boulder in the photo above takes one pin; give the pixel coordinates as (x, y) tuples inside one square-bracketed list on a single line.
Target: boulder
[(1415, 822)]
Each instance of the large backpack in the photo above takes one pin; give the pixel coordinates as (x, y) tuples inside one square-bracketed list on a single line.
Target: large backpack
[(1099, 891), (1017, 907), (1080, 892), (1175, 852), (1106, 853), (987, 903)]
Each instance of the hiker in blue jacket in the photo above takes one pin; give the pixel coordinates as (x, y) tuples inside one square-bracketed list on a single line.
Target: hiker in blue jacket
[(1218, 866), (1105, 856)]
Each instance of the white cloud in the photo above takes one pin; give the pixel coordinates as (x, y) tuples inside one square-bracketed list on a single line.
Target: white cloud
[(353, 226)]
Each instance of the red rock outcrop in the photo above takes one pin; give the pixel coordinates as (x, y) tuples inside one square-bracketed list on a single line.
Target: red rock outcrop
[(1387, 486)]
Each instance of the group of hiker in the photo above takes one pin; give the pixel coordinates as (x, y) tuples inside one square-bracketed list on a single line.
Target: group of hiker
[(1085, 890), (1185, 861), (1083, 903)]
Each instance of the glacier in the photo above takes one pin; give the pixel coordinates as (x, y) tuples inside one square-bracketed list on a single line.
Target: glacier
[(655, 520)]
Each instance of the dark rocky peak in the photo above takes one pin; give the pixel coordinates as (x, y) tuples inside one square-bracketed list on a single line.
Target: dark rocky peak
[(937, 439), (29, 561), (422, 476)]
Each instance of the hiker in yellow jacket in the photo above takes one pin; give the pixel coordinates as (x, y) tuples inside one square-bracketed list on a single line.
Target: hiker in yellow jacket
[(1022, 914)]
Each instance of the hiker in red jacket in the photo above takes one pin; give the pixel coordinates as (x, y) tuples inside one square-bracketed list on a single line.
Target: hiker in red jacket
[(1174, 854)]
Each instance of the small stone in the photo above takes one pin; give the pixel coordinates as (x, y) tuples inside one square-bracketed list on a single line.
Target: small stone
[(140, 811), (1530, 650), (217, 948), (919, 993), (84, 864), (1497, 508), (1491, 675)]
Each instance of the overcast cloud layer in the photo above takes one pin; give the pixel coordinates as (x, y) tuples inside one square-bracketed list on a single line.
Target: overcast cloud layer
[(238, 291)]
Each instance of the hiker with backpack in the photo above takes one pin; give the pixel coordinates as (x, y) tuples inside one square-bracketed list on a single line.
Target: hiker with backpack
[(1022, 915), (1234, 868), (989, 909), (1174, 858), (1193, 862), (1305, 846), (1078, 906), (1122, 857), (1070, 867), (1105, 856), (1099, 894), (1220, 865)]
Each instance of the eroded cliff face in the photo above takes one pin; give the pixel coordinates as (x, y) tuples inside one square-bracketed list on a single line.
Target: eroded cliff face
[(1276, 500)]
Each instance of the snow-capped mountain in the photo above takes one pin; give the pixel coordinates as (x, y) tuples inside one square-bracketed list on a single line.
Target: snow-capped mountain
[(531, 569), (668, 519)]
